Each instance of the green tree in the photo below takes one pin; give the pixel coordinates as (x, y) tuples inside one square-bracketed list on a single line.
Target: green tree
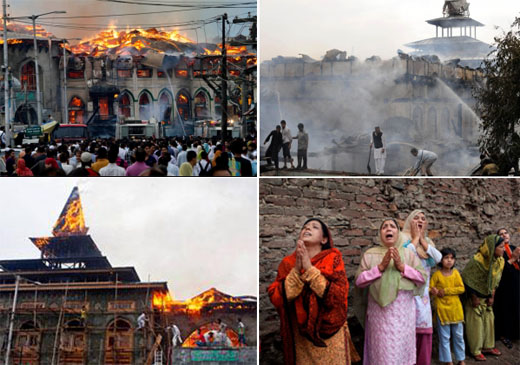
[(498, 101)]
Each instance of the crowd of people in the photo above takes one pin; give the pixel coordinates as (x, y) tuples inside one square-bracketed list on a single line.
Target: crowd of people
[(190, 156), (396, 282)]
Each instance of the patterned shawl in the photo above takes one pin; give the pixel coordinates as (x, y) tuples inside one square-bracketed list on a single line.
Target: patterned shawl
[(384, 290), (317, 318), (483, 271)]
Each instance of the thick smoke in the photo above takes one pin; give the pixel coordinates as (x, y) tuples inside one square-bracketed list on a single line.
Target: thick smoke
[(340, 112)]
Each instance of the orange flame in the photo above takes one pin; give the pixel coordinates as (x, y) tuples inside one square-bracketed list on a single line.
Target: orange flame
[(71, 220), (27, 29), (41, 242), (162, 300), (218, 300), (121, 43), (12, 41), (75, 102), (210, 296), (182, 99)]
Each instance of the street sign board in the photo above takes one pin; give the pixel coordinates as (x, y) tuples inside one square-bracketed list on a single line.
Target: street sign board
[(33, 131)]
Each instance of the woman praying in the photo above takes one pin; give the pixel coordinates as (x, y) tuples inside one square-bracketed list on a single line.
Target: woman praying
[(310, 294), (393, 276)]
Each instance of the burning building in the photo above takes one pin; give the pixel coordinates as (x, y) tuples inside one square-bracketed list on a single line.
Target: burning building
[(138, 74), (418, 101), (71, 306)]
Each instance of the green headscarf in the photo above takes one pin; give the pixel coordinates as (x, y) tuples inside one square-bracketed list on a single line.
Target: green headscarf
[(384, 290), (483, 271)]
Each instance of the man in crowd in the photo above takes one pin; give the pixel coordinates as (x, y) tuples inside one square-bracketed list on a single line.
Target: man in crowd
[(138, 166), (186, 168), (238, 165), (112, 169)]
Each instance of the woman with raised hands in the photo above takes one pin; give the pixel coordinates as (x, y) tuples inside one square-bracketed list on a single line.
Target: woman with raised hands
[(310, 294), (415, 238), (393, 275)]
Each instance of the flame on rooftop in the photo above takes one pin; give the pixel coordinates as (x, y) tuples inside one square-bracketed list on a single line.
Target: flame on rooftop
[(71, 220), (138, 40), (26, 29), (213, 297)]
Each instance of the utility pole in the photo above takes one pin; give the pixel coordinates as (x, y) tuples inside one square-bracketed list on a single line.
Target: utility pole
[(224, 81), (38, 101), (6, 80), (65, 118), (245, 83), (11, 319)]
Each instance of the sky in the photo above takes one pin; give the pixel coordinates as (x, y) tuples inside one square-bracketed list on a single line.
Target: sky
[(364, 28), (97, 7), (193, 233)]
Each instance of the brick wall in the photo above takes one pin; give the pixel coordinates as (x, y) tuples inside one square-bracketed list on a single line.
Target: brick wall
[(461, 212)]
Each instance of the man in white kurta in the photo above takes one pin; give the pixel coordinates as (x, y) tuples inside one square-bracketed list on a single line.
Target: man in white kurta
[(378, 141)]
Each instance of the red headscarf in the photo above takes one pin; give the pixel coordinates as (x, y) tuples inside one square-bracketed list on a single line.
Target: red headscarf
[(317, 318), (52, 162), (21, 168)]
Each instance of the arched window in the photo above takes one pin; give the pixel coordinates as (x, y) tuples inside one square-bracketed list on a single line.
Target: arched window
[(165, 107), (218, 106), (431, 129), (145, 106), (446, 122), (119, 342), (125, 105), (25, 114), (27, 344), (72, 342), (76, 110), (201, 105), (28, 76), (418, 117), (183, 105)]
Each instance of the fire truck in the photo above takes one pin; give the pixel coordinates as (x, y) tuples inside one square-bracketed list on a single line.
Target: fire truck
[(137, 129), (213, 128)]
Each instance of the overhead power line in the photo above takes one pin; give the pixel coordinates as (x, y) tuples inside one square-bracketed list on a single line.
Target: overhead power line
[(129, 14), (204, 5)]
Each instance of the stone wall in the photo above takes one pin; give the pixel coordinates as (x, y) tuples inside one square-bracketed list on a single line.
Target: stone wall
[(461, 212)]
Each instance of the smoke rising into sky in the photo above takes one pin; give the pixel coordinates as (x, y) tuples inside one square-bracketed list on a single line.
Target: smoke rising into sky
[(210, 32)]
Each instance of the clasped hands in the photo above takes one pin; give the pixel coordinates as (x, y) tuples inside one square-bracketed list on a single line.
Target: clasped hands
[(303, 260), (392, 253), (437, 292)]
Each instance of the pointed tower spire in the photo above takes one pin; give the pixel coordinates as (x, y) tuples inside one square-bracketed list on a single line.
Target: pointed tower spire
[(71, 220)]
